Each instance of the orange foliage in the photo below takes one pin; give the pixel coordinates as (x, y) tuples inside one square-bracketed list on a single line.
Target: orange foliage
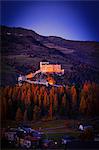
[(55, 100), (74, 95), (51, 98), (19, 115), (51, 80)]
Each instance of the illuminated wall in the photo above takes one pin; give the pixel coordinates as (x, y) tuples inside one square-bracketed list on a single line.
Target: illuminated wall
[(50, 68)]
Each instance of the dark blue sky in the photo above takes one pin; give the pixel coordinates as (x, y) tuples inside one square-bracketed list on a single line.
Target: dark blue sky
[(76, 20)]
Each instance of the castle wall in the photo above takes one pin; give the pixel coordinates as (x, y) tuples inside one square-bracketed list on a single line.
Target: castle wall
[(51, 68)]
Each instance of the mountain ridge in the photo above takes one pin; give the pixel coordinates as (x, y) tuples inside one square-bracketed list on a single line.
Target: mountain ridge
[(22, 47), (50, 36)]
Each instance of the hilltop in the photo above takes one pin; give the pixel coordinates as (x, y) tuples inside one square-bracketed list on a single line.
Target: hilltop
[(23, 49)]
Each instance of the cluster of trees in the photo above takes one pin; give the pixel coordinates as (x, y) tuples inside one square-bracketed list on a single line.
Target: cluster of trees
[(33, 102), (89, 102)]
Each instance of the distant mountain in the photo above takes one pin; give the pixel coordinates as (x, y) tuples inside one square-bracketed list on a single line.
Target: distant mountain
[(23, 49)]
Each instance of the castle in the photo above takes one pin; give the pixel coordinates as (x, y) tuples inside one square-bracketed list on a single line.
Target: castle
[(46, 67)]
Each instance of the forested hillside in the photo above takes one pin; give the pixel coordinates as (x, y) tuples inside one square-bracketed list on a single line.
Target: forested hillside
[(33, 102)]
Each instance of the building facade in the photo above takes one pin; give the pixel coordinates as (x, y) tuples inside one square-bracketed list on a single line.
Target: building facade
[(46, 67)]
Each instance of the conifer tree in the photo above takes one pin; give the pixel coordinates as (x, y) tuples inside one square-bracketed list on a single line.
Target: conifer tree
[(19, 115)]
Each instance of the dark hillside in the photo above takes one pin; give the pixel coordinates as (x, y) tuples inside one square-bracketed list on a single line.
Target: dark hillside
[(23, 49)]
